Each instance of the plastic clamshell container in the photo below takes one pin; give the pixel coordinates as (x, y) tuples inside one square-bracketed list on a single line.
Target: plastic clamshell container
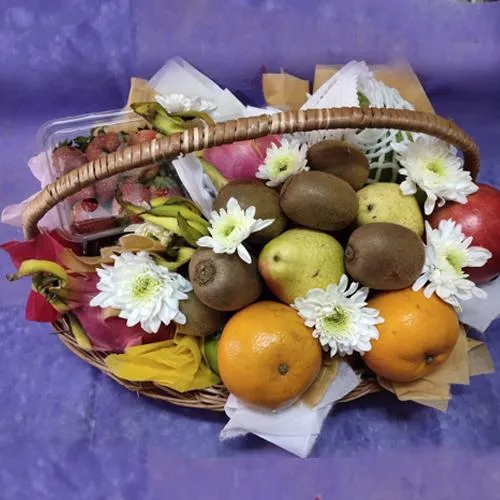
[(101, 222)]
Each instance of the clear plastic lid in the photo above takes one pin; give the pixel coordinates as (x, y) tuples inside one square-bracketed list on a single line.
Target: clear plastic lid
[(94, 212)]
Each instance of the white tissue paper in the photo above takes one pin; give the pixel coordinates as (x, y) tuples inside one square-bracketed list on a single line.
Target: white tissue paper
[(294, 429), (480, 313), (197, 184), (178, 77)]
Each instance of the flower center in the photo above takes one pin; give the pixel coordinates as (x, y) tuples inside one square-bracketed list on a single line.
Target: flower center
[(455, 259), (145, 286), (436, 167), (282, 164), (336, 322), (228, 229)]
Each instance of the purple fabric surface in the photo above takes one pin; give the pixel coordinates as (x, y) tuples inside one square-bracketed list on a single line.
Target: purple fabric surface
[(66, 431)]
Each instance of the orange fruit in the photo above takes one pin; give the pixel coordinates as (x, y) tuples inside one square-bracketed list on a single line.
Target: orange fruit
[(267, 356), (418, 335)]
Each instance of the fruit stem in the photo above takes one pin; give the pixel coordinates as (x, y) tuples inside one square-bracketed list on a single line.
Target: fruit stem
[(283, 369)]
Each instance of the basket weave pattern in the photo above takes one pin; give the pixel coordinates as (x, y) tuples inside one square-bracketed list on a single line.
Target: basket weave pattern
[(196, 139)]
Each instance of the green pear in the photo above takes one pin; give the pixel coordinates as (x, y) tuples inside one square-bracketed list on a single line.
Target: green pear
[(384, 202), (298, 260)]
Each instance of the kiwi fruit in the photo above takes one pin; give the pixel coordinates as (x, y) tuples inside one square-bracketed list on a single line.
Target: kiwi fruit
[(384, 256), (341, 159), (265, 200), (201, 321), (222, 281), (319, 200)]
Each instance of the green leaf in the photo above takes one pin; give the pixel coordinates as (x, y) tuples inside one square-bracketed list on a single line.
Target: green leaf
[(82, 142), (62, 144)]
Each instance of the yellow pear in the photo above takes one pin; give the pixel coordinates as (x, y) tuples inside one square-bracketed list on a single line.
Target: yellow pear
[(384, 202), (299, 260)]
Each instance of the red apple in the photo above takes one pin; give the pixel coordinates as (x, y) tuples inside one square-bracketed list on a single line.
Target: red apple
[(479, 218)]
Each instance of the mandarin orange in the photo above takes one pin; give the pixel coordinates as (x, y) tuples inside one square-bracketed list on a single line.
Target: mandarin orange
[(267, 356), (417, 336)]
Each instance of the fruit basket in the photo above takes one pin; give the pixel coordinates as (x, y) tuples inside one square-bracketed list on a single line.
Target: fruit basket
[(196, 139), (305, 257)]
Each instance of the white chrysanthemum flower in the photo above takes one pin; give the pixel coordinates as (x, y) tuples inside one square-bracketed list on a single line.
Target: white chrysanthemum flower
[(162, 235), (176, 103), (431, 165), (340, 317), (142, 291), (283, 161), (447, 253), (230, 227)]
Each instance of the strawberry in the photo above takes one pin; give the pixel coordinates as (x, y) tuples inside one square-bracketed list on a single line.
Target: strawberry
[(140, 136), (102, 144), (67, 158), (164, 186), (105, 188), (89, 217), (134, 192), (84, 194)]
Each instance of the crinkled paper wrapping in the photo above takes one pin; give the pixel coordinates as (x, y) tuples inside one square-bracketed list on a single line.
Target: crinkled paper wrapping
[(284, 91), (470, 357), (399, 76)]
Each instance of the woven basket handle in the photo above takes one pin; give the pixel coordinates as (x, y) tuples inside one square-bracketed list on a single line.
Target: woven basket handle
[(196, 139)]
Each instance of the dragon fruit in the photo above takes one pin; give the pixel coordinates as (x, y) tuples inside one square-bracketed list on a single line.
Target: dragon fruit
[(58, 290), (240, 160)]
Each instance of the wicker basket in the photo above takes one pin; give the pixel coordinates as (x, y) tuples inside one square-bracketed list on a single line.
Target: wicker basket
[(196, 139)]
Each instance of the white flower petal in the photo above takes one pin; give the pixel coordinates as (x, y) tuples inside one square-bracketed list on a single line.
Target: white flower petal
[(434, 167), (144, 292), (230, 227), (478, 256), (243, 254), (205, 241), (340, 317), (284, 161), (260, 224), (447, 253), (429, 204)]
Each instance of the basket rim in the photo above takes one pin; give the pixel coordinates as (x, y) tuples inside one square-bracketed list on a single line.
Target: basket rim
[(212, 398)]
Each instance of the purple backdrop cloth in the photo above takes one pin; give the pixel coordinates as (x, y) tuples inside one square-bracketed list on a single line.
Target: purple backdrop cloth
[(66, 431)]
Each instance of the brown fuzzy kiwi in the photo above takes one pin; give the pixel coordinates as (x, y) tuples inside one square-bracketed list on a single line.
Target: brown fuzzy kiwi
[(265, 200), (319, 200), (224, 282), (384, 256), (201, 321), (341, 159)]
